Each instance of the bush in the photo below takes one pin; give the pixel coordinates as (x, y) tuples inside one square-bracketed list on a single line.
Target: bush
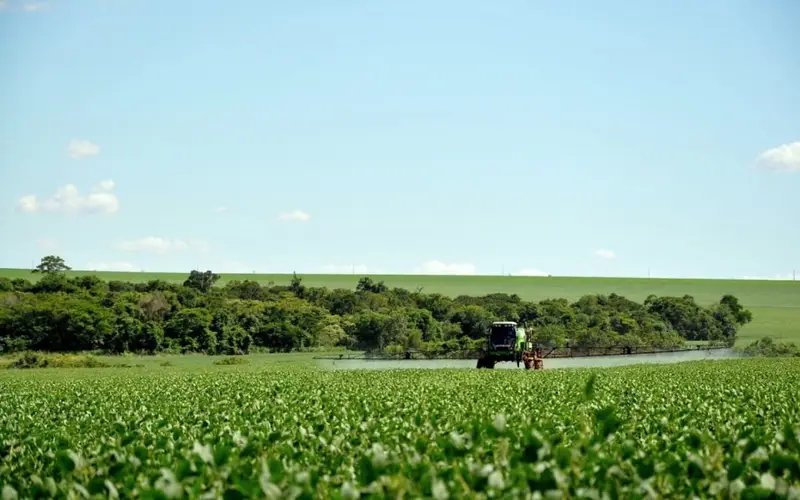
[(231, 361), (767, 347), (38, 360)]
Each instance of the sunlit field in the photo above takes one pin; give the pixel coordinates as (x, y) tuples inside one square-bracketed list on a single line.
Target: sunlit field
[(276, 426)]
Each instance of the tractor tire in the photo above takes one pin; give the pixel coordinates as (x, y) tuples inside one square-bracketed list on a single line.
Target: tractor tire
[(485, 363)]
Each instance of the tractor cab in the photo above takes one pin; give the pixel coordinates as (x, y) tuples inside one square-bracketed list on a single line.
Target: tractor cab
[(506, 336), (508, 341)]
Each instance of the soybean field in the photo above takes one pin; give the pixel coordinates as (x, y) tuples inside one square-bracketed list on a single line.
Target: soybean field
[(722, 429)]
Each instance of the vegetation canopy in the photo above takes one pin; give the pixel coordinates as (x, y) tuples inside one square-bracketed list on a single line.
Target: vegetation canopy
[(85, 313)]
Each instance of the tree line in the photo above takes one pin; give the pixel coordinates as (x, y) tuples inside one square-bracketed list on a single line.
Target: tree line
[(86, 313)]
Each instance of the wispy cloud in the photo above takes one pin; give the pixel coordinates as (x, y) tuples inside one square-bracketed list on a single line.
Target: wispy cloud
[(35, 6), (78, 149), (783, 158), (28, 7), (344, 269), (123, 267), (531, 272), (777, 277), (605, 254), (235, 267), (438, 267), (47, 243), (294, 216), (68, 199), (159, 246)]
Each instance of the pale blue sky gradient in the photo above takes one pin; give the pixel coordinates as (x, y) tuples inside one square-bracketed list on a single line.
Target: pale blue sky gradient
[(487, 136)]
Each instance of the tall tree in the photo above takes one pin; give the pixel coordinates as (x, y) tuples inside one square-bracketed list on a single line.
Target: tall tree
[(201, 281), (51, 264)]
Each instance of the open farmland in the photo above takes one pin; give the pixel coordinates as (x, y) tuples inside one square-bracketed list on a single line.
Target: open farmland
[(724, 429), (775, 304)]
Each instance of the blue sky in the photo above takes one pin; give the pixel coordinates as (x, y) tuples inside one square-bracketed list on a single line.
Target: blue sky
[(571, 138)]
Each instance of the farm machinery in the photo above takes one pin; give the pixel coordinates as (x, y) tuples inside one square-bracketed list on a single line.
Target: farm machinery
[(508, 341)]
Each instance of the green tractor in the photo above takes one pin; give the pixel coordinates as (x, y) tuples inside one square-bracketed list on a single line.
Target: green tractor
[(508, 341)]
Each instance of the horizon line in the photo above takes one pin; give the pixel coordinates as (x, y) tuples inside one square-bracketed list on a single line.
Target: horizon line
[(789, 278)]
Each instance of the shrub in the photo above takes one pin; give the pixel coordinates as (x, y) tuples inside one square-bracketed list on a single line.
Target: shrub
[(39, 360), (231, 361)]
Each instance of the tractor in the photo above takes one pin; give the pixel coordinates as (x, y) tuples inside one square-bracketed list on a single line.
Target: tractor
[(508, 341)]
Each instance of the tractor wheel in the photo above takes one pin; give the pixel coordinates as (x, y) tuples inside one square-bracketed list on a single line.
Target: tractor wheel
[(485, 362)]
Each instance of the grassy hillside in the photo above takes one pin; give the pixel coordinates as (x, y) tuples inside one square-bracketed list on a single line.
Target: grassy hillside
[(775, 304)]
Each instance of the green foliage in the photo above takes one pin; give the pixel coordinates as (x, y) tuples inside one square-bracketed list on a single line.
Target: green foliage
[(231, 361), (39, 360), (366, 284), (201, 281), (51, 264), (725, 429), (767, 347), (85, 313)]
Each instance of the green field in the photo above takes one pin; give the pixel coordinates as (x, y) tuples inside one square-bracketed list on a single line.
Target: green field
[(775, 304), (279, 428)]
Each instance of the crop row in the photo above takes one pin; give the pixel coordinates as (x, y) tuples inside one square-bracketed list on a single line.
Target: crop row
[(720, 429)]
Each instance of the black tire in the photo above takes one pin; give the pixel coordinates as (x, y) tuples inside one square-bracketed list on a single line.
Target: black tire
[(485, 363)]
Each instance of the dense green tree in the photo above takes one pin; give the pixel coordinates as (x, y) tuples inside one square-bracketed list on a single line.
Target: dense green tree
[(297, 287), (366, 284), (51, 264), (6, 285), (60, 313), (190, 330), (474, 320), (201, 281)]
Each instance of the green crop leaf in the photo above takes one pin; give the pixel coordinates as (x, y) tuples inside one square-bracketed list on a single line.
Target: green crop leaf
[(683, 430), (588, 391), (65, 461)]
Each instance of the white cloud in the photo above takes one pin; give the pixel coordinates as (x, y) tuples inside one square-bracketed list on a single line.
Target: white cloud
[(68, 200), (784, 158), (437, 267), (605, 254), (28, 204), (777, 277), (344, 269), (105, 186), (35, 6), (160, 246), (531, 272), (79, 148), (47, 243), (234, 267), (3, 4), (118, 267), (220, 210), (296, 215)]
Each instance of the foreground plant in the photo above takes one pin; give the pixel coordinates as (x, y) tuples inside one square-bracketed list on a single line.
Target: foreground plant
[(706, 429)]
